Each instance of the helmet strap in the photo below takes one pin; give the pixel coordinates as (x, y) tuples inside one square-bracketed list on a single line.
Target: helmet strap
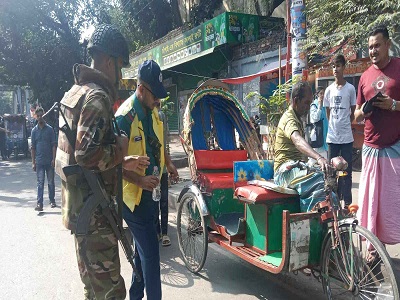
[(116, 72)]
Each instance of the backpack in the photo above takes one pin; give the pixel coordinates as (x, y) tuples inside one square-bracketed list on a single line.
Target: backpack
[(315, 132)]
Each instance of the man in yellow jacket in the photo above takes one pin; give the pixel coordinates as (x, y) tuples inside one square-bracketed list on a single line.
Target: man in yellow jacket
[(140, 121)]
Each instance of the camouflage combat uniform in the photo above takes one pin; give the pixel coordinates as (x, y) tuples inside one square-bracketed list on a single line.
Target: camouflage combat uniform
[(88, 109)]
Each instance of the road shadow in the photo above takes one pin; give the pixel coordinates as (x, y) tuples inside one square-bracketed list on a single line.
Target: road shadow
[(18, 179), (173, 272), (43, 213), (222, 269), (19, 202)]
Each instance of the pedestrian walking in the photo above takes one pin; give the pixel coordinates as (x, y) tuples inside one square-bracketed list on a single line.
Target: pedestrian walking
[(87, 106), (340, 103), (138, 117), (43, 152), (379, 182)]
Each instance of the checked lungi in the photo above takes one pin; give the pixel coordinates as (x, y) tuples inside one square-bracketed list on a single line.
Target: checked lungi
[(379, 192)]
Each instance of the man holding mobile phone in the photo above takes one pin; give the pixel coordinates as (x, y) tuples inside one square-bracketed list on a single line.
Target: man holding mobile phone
[(379, 183)]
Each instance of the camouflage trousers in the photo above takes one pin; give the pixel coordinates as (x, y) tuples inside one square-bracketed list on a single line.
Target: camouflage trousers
[(98, 261)]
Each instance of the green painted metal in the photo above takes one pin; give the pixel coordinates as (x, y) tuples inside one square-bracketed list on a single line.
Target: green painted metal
[(275, 218), (256, 218), (204, 66), (317, 234), (273, 258), (221, 201)]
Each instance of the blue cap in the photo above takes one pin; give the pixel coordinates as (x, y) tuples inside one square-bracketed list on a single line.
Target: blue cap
[(150, 72)]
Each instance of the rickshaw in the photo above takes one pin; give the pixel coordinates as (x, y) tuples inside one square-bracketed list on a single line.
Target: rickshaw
[(17, 135), (233, 202)]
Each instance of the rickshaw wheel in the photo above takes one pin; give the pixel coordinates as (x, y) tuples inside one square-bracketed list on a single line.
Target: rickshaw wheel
[(366, 276), (192, 233)]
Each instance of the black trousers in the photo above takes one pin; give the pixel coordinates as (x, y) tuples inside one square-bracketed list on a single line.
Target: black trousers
[(345, 182)]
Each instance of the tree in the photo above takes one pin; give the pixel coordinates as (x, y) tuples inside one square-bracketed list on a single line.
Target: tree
[(203, 11), (151, 19), (40, 42), (258, 7), (332, 23), (6, 100)]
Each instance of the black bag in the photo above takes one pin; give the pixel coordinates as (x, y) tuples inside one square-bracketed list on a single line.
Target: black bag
[(315, 133)]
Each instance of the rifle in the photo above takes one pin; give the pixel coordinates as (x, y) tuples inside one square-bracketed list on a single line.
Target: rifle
[(99, 197)]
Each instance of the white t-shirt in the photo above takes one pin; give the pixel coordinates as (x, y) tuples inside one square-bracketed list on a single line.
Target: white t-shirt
[(340, 102)]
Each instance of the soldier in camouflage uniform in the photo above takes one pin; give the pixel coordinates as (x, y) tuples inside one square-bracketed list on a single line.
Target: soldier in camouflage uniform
[(88, 110)]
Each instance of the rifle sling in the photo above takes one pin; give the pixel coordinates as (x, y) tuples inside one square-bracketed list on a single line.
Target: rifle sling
[(98, 197)]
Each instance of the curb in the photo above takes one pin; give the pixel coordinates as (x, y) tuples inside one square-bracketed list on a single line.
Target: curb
[(180, 161), (173, 193)]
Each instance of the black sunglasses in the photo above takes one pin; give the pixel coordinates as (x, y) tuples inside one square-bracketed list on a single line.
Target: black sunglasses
[(149, 90)]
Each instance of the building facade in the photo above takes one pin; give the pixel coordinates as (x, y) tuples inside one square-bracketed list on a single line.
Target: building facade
[(229, 45)]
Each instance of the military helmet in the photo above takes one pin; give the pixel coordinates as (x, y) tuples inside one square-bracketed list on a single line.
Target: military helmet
[(108, 39)]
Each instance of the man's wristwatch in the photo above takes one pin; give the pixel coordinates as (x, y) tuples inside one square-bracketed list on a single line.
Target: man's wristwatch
[(393, 108)]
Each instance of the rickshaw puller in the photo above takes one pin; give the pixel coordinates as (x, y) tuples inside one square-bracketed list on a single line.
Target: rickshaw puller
[(290, 145)]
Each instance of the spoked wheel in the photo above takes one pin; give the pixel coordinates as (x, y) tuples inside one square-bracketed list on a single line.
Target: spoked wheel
[(192, 233), (367, 272)]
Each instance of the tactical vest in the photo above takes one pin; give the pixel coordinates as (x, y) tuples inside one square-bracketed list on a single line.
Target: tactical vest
[(71, 106)]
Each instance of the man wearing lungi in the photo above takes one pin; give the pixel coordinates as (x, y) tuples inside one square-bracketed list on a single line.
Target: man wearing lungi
[(291, 147), (379, 188)]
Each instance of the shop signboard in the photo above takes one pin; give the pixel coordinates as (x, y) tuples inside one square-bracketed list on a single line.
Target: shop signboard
[(242, 28), (228, 27), (214, 33), (131, 72)]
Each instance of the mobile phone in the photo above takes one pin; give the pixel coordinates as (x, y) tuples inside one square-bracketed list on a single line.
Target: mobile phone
[(368, 107)]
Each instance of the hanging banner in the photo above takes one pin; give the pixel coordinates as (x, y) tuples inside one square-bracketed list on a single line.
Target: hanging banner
[(298, 31)]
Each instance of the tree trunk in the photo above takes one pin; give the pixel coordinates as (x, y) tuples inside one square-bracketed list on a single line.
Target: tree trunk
[(176, 15), (257, 7), (274, 4)]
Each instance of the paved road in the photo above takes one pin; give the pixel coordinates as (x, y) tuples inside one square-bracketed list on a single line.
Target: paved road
[(38, 260)]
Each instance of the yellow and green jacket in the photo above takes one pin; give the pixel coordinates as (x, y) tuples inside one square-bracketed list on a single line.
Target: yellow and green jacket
[(132, 119)]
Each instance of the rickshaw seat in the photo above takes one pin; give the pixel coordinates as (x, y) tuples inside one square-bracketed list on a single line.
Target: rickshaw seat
[(215, 167), (254, 194), (218, 159), (214, 181)]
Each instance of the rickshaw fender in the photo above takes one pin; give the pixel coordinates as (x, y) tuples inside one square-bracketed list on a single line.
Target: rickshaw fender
[(196, 191), (349, 221)]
